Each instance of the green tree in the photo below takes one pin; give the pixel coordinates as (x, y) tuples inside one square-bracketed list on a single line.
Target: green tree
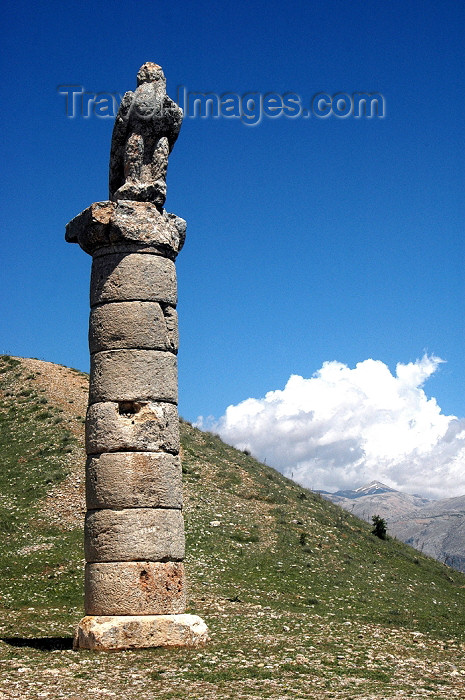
[(379, 527)]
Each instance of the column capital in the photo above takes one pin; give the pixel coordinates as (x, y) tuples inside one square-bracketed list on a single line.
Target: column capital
[(138, 225)]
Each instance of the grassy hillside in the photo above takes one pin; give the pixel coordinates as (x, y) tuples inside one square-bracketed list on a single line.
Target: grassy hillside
[(301, 600)]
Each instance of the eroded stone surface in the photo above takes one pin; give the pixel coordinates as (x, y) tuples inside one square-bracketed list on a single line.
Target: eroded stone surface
[(132, 425), (134, 479), (127, 223), (136, 632), (142, 224), (133, 277), (133, 324), (171, 320), (133, 375), (93, 222), (135, 588), (145, 130), (133, 534)]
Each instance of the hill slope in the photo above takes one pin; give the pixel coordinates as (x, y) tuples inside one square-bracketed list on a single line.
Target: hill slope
[(301, 600), (436, 528)]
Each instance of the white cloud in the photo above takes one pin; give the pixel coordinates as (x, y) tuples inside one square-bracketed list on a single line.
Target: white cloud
[(345, 427)]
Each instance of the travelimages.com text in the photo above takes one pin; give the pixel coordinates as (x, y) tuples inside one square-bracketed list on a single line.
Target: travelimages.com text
[(251, 107)]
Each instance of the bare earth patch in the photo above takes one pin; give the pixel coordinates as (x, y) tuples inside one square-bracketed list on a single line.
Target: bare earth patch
[(64, 504)]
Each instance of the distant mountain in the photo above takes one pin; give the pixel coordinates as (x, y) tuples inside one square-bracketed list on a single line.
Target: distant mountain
[(374, 487), (436, 528), (375, 497)]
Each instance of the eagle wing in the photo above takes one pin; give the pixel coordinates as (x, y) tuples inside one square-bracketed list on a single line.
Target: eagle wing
[(118, 144)]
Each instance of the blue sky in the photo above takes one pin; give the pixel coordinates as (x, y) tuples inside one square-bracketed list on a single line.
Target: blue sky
[(309, 240)]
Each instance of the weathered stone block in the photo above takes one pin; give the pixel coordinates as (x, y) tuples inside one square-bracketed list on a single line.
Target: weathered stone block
[(171, 320), (89, 228), (104, 633), (140, 224), (132, 425), (133, 277), (135, 534), (133, 480), (133, 324), (135, 588), (133, 375)]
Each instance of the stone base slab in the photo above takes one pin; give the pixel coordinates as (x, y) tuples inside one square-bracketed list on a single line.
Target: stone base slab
[(107, 633)]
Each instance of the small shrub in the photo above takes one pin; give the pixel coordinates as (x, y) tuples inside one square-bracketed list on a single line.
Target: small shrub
[(312, 601), (43, 415), (244, 537)]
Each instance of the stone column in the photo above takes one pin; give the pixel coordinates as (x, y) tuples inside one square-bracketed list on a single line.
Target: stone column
[(135, 592)]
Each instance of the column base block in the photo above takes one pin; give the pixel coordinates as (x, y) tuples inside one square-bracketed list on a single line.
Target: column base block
[(112, 632)]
